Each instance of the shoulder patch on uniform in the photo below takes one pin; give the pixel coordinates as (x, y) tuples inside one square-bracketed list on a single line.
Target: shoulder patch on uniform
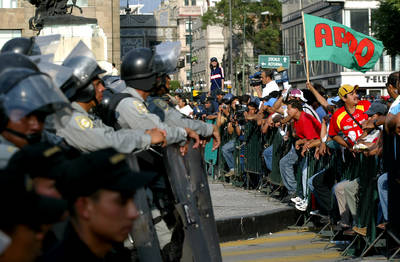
[(84, 122), (140, 107), (161, 104), (12, 149)]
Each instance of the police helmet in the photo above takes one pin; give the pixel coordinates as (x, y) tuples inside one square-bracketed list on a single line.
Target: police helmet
[(85, 70), (10, 60), (138, 69), (21, 45), (24, 91)]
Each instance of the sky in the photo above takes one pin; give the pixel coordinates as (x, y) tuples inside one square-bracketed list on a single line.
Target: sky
[(149, 5)]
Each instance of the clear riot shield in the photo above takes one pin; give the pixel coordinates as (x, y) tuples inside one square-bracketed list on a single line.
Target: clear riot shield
[(186, 204), (143, 233), (201, 192)]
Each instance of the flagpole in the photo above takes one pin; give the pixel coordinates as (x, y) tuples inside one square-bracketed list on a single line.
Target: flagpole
[(305, 47)]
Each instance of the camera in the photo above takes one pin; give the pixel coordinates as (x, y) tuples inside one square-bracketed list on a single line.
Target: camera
[(255, 79), (239, 114), (281, 76)]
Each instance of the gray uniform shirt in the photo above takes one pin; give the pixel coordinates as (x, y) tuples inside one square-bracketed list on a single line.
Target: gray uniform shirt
[(88, 133), (132, 113), (175, 118), (7, 150)]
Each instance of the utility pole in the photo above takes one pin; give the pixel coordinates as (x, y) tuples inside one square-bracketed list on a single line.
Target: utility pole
[(190, 57), (244, 43), (230, 44)]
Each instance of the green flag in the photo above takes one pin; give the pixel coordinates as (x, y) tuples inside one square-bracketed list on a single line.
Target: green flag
[(331, 41)]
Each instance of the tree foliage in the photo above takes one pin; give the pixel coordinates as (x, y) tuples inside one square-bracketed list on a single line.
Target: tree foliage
[(173, 85), (262, 30), (386, 21)]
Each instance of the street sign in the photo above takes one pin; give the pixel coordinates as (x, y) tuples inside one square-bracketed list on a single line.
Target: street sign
[(273, 61)]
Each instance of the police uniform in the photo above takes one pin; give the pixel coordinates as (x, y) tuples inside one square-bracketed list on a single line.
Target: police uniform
[(132, 113), (88, 133), (7, 150), (173, 117)]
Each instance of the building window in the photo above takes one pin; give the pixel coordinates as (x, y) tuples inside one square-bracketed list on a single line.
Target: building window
[(188, 75), (187, 26), (8, 4), (193, 2), (6, 35), (188, 37), (80, 3), (186, 2), (188, 58), (359, 20)]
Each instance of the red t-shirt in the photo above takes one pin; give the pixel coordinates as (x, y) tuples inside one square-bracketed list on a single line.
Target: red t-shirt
[(341, 121), (307, 127)]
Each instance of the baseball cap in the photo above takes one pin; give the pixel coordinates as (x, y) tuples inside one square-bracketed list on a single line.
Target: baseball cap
[(270, 102), (22, 205), (102, 169), (346, 89), (297, 93), (213, 59), (376, 108), (37, 160), (333, 100)]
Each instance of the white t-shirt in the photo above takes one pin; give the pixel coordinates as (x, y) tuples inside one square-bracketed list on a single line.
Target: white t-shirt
[(271, 86), (395, 107), (186, 110)]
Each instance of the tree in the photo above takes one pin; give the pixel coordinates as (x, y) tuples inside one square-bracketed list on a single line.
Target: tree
[(173, 85), (262, 30), (386, 21)]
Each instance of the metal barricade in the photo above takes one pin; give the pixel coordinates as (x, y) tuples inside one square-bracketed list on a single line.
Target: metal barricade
[(210, 157)]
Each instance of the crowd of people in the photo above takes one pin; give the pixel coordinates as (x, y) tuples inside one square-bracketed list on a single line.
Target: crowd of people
[(92, 167), (95, 167), (312, 146)]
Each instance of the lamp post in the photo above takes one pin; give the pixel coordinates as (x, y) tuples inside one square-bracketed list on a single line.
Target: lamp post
[(243, 55), (230, 43)]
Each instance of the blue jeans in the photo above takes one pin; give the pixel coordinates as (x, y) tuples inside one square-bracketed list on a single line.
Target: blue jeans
[(268, 157), (227, 152), (287, 171), (383, 194)]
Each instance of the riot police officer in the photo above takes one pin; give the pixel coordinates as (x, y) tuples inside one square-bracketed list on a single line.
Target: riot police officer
[(27, 97), (86, 132), (138, 71)]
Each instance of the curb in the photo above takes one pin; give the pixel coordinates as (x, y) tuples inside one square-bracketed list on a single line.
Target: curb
[(235, 228)]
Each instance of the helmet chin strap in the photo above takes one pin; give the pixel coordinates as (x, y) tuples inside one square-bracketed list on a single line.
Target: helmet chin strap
[(31, 138)]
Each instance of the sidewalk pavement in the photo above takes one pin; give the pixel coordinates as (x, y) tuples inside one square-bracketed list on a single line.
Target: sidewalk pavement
[(242, 214)]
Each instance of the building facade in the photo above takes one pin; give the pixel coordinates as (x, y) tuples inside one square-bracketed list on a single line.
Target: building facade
[(204, 43), (15, 15), (355, 14)]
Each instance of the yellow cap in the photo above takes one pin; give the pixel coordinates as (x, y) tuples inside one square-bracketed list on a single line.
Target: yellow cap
[(346, 89)]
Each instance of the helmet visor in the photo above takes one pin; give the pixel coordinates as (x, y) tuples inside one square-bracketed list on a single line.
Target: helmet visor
[(35, 94), (84, 64), (44, 45), (59, 74), (166, 57)]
